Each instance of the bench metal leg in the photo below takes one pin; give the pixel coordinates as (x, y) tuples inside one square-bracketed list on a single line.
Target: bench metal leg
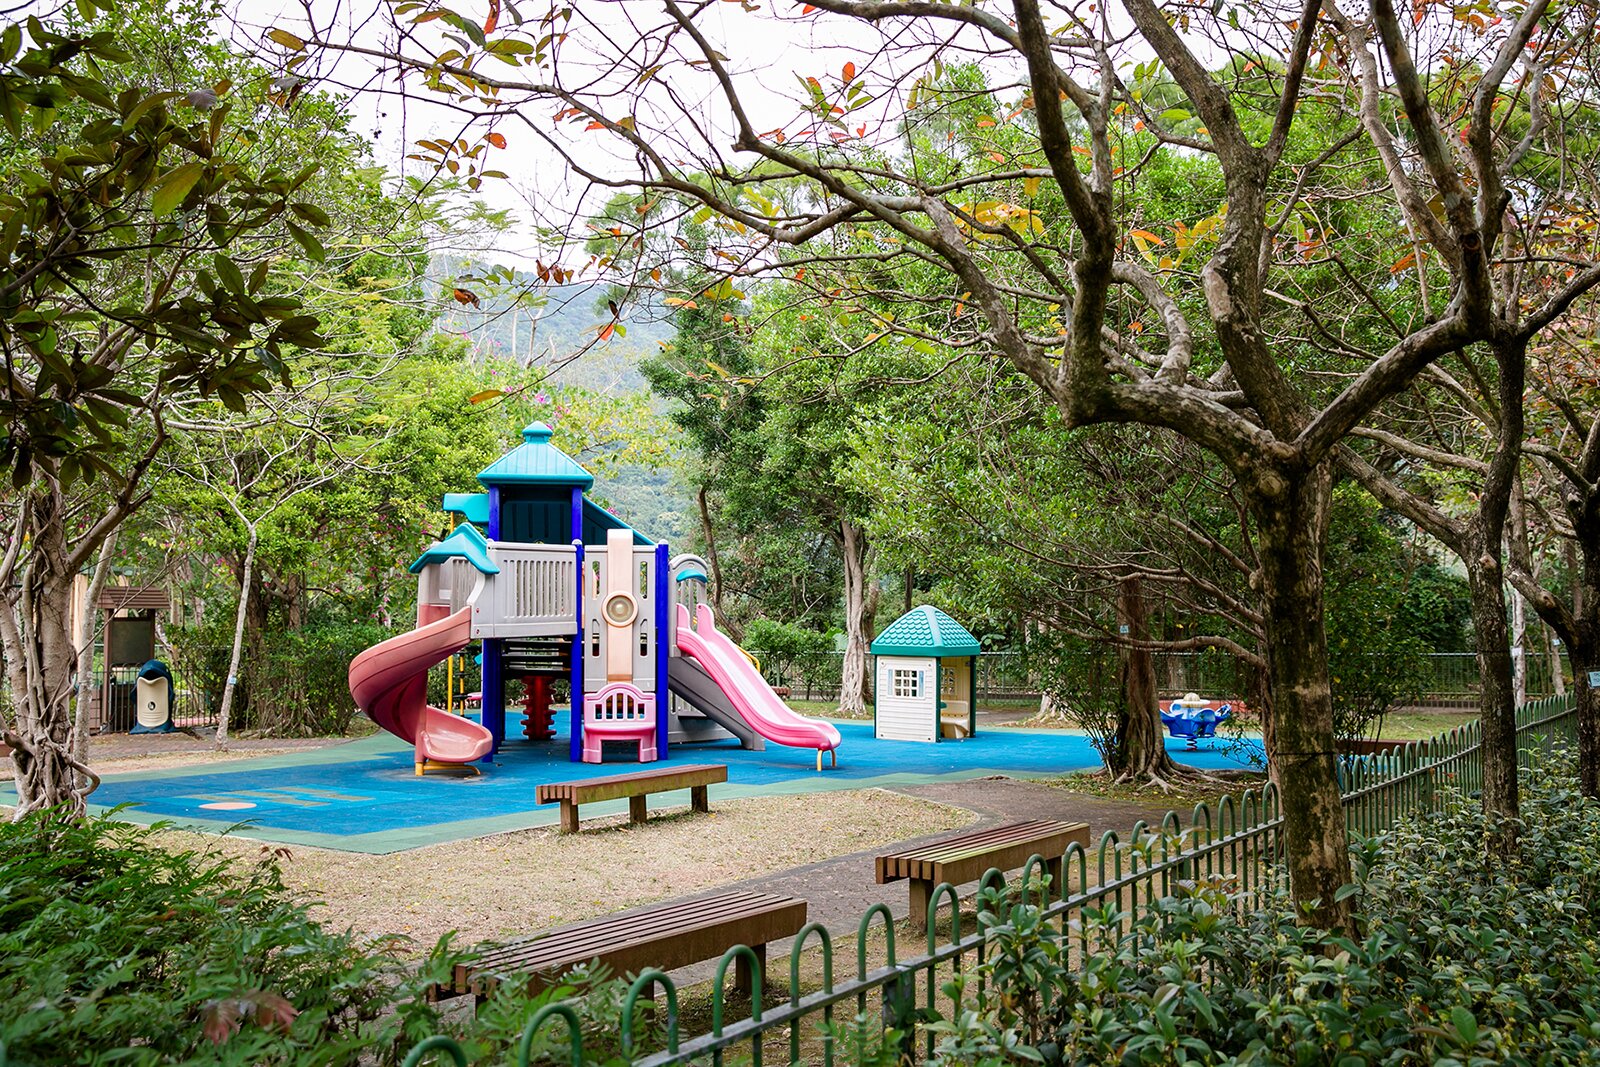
[(569, 817), (699, 798), (636, 810), (921, 890), (741, 970)]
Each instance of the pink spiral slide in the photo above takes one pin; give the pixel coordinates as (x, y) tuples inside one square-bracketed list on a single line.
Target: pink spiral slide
[(750, 694), (389, 682)]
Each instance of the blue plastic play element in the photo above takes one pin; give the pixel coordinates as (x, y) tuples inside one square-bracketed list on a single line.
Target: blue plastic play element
[(364, 797), (1194, 722), (464, 542), (156, 669)]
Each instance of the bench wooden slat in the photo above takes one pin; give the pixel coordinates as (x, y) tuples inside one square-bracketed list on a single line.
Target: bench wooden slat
[(582, 936), (671, 936), (961, 859), (616, 786)]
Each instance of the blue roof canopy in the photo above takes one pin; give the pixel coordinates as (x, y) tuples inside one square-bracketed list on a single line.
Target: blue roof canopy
[(925, 631), (464, 543), (536, 462)]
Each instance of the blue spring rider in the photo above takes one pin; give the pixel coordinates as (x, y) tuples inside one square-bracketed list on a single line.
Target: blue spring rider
[(1190, 718)]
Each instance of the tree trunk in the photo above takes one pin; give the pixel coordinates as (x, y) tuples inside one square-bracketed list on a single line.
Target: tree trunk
[(1292, 515), (84, 639), (246, 580), (41, 659), (1139, 751), (1585, 657), (1519, 650), (1496, 695), (860, 605), (1558, 677), (709, 533)]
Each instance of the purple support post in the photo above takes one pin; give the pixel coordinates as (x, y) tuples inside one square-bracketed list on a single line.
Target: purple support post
[(662, 586), (575, 714), (493, 702), (577, 513)]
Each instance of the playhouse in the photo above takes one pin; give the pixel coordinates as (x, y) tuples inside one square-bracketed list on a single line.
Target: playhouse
[(563, 594), (926, 680)]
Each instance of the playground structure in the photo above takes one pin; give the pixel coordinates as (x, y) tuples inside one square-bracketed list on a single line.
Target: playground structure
[(1191, 718), (559, 590)]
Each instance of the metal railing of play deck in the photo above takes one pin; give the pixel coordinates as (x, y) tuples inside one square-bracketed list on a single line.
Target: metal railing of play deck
[(1237, 842)]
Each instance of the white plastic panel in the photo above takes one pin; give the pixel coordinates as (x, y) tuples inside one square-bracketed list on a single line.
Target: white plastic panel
[(534, 595), (907, 704)]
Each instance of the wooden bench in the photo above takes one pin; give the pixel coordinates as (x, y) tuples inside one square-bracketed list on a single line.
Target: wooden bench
[(967, 856), (667, 936), (635, 786)]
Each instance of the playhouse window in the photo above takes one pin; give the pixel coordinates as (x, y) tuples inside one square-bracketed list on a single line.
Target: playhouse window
[(905, 683)]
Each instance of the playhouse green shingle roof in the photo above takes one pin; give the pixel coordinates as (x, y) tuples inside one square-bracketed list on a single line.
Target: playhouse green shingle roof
[(536, 462), (925, 631), (464, 543)]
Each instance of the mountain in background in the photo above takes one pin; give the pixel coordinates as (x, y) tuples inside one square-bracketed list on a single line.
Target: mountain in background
[(549, 334)]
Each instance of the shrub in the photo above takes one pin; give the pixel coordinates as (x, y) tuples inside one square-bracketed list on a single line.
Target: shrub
[(110, 945), (791, 654), (1462, 961), (113, 949)]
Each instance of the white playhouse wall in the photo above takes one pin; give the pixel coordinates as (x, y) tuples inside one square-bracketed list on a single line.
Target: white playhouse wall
[(907, 698)]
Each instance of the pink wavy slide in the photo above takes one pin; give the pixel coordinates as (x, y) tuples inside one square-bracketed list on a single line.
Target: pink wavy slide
[(738, 678), (389, 682)]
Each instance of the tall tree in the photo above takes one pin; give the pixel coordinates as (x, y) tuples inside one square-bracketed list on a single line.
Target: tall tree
[(1039, 228), (138, 232)]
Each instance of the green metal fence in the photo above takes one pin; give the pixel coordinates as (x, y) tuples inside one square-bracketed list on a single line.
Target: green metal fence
[(1237, 843)]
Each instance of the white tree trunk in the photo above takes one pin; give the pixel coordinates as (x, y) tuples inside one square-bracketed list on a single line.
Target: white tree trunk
[(1519, 649), (1558, 680), (245, 581)]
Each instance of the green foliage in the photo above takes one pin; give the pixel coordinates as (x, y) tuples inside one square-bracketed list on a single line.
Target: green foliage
[(114, 949), (1460, 961), (789, 652), (121, 225), (1387, 602)]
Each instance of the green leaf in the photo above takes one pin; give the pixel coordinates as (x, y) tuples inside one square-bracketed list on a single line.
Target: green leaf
[(1465, 1024), (311, 213), (312, 246), (175, 186), (230, 274)]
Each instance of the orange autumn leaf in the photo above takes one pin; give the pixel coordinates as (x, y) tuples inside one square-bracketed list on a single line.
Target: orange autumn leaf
[(497, 139)]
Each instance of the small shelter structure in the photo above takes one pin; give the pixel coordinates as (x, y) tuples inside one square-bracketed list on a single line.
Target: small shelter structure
[(926, 678)]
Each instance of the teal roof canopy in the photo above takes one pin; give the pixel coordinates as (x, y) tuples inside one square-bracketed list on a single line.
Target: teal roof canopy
[(464, 543), (536, 462), (474, 507), (925, 631)]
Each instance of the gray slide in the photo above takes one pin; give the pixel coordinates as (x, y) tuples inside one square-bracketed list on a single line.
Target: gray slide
[(691, 684)]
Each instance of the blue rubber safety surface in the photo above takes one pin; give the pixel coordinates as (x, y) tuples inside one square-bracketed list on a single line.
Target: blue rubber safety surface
[(364, 796)]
